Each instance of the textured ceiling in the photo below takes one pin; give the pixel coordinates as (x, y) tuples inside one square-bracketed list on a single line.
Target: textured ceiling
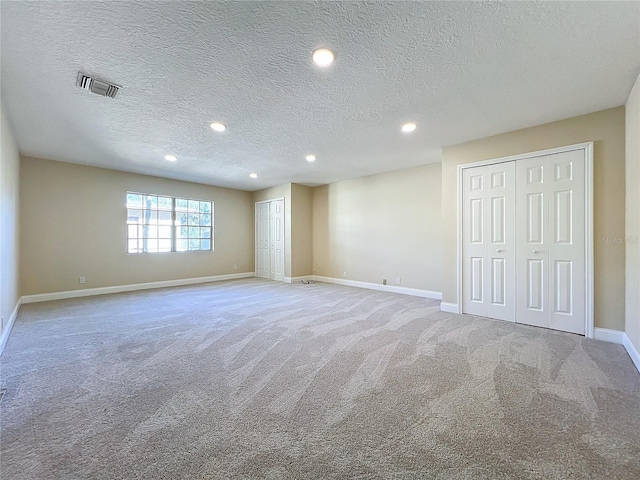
[(459, 70)]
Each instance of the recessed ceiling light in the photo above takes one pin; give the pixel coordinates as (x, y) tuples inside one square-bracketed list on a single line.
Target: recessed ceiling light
[(310, 158), (170, 158), (408, 127), (218, 127), (323, 57), (253, 175)]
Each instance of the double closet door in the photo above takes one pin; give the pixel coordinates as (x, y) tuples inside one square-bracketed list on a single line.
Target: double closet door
[(270, 239), (523, 241)]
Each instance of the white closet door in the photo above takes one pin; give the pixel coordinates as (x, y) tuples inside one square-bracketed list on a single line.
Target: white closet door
[(532, 237), (262, 240), (277, 239), (567, 241), (550, 226), (474, 246), (489, 241), (270, 239)]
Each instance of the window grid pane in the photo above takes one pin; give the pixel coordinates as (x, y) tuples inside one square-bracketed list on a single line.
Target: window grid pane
[(150, 218)]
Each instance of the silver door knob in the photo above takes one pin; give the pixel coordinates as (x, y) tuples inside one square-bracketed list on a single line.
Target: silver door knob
[(499, 250), (534, 251)]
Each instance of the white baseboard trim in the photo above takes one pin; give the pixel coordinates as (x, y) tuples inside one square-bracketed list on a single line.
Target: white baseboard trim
[(45, 297), (4, 337), (415, 292), (449, 307), (608, 335), (632, 351), (297, 279)]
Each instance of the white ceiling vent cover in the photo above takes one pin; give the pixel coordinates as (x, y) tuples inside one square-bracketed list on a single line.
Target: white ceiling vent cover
[(97, 86)]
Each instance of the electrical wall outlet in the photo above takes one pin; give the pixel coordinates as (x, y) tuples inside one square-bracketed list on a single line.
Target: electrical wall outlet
[(344, 274), (83, 280), (398, 281), (384, 281), (235, 266)]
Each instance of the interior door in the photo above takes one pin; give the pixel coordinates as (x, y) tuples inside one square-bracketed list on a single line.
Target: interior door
[(532, 236), (277, 239), (489, 241), (474, 246), (262, 240), (270, 239), (550, 227), (567, 242)]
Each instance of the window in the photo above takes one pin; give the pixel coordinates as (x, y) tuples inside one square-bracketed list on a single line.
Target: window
[(157, 223)]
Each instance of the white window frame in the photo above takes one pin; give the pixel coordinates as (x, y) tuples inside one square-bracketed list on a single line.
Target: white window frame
[(173, 225)]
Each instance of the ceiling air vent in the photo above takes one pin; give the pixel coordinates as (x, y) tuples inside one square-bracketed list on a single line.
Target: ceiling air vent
[(97, 86)]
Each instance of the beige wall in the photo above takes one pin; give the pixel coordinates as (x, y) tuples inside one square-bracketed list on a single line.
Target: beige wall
[(632, 223), (279, 191), (301, 230), (9, 245), (73, 224), (381, 226), (607, 130)]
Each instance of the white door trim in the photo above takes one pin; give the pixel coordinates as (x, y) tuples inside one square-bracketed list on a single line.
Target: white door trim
[(270, 200), (255, 230), (589, 289)]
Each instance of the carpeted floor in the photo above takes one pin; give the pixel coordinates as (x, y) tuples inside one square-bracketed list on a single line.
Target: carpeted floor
[(257, 379)]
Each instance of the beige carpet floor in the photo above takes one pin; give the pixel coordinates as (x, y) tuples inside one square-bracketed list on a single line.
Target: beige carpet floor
[(257, 379)]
